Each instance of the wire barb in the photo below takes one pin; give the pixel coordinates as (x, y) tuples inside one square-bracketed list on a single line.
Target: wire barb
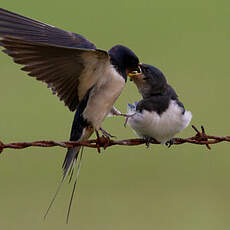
[(200, 138), (1, 147)]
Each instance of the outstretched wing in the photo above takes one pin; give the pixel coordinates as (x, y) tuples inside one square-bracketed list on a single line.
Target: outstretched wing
[(70, 72), (67, 62), (18, 26)]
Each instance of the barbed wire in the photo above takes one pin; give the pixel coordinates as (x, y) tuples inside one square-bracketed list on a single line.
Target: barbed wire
[(200, 138)]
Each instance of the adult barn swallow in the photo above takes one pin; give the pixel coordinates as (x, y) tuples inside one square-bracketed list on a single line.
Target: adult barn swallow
[(87, 79), (159, 115)]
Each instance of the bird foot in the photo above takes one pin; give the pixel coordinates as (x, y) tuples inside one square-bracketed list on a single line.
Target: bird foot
[(170, 142), (127, 116), (148, 141), (106, 134), (103, 141)]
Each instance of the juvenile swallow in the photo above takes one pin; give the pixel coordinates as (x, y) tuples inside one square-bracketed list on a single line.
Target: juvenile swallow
[(87, 79), (159, 115)]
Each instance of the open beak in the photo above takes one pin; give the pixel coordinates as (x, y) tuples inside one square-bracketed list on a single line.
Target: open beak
[(135, 73)]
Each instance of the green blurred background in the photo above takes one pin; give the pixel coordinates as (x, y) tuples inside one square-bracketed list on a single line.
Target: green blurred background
[(184, 187)]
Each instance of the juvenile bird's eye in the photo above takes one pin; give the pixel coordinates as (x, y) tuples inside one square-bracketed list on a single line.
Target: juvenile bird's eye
[(148, 70)]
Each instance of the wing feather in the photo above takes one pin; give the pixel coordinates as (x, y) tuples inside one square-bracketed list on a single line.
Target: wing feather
[(69, 63), (12, 24), (62, 68)]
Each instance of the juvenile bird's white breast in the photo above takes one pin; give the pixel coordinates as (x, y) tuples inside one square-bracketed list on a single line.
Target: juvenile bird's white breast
[(160, 127)]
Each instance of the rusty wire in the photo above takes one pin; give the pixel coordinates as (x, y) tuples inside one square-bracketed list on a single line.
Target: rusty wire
[(200, 138)]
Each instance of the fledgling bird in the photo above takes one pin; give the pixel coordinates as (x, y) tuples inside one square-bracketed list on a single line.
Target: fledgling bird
[(87, 79), (159, 115)]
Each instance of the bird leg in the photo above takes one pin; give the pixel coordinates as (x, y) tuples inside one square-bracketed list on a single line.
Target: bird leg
[(116, 112), (103, 141), (127, 116), (170, 142)]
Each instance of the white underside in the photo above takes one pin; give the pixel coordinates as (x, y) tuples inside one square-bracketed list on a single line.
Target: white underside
[(103, 96), (160, 127)]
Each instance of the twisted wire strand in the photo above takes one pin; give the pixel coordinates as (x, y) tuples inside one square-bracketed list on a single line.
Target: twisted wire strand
[(200, 138)]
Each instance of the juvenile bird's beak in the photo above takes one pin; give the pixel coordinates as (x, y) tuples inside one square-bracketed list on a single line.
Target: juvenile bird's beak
[(135, 73)]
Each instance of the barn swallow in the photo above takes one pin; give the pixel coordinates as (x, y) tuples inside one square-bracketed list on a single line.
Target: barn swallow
[(159, 115), (87, 79)]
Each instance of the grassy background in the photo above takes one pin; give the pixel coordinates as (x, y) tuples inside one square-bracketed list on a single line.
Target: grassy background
[(180, 188)]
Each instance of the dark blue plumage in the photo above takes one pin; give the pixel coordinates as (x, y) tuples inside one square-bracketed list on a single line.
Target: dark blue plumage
[(78, 125)]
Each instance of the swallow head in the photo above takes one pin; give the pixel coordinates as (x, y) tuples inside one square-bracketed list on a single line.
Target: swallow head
[(149, 80), (124, 60)]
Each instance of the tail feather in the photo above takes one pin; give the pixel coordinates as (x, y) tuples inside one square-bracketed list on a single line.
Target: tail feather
[(70, 157), (54, 197), (81, 131), (68, 165), (70, 160), (71, 170), (74, 187)]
